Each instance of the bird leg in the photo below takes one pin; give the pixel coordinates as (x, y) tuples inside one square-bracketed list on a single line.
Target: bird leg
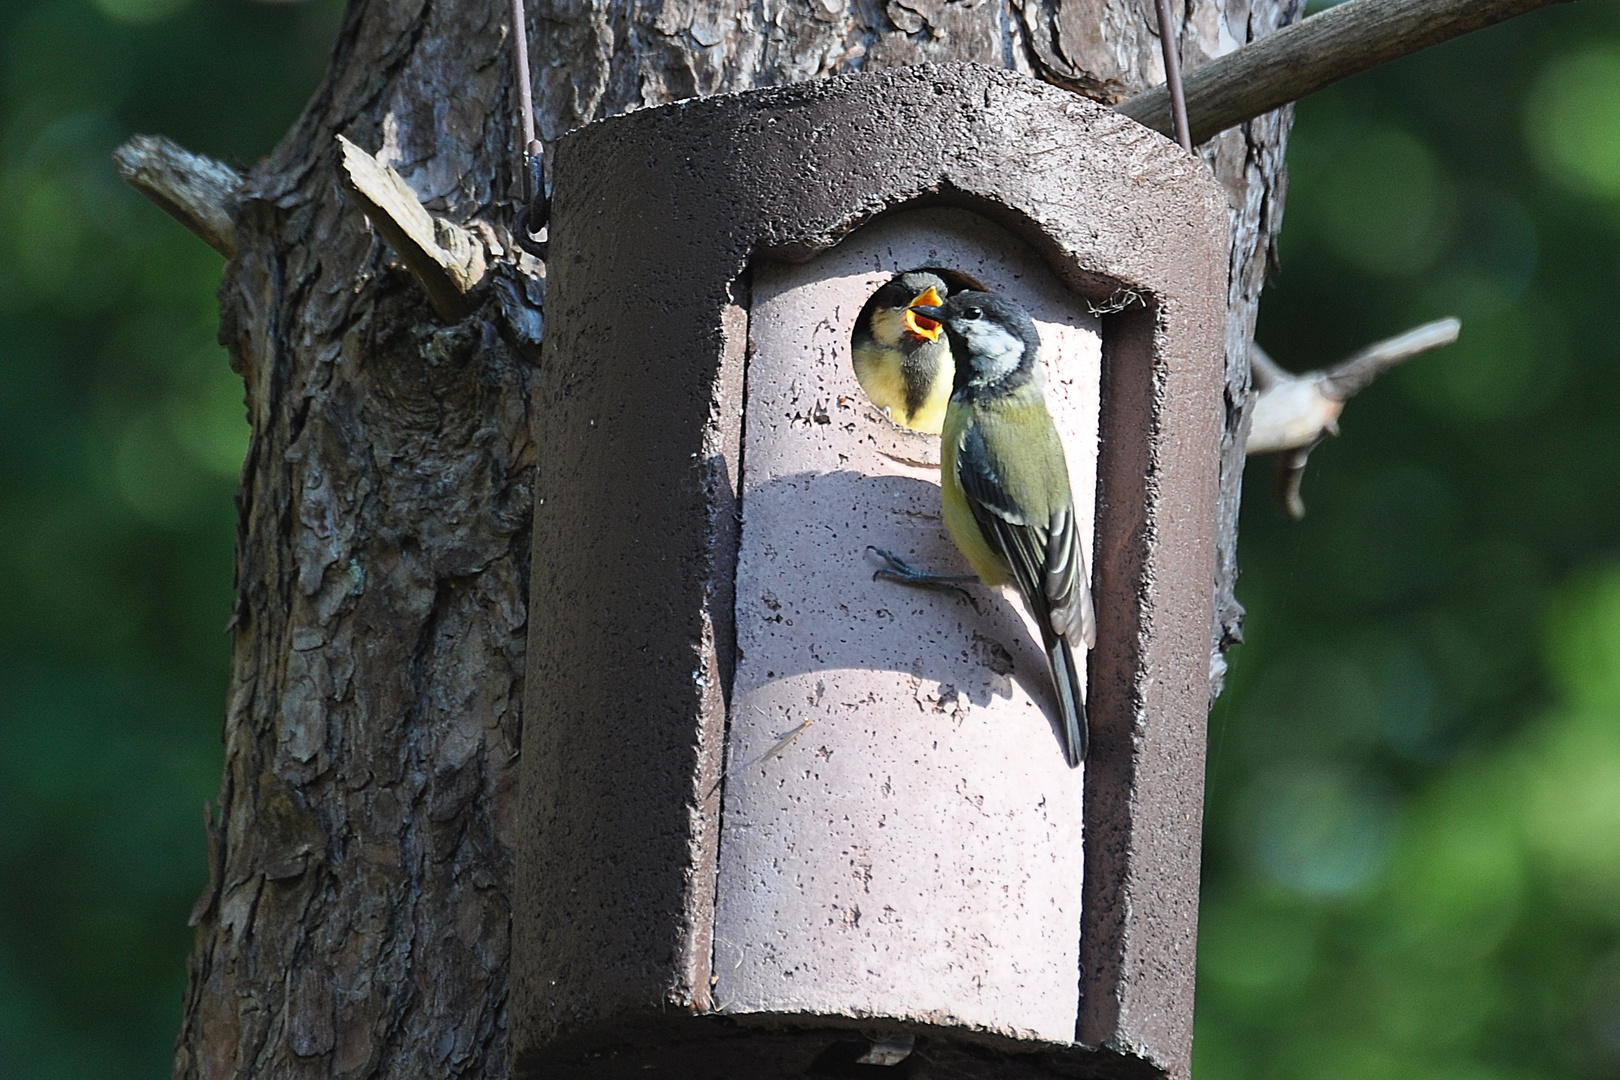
[(903, 572)]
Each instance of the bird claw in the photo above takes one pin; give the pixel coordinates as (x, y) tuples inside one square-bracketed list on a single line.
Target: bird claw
[(902, 572), (897, 565)]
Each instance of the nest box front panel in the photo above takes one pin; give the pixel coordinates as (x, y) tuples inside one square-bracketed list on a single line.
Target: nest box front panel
[(878, 822), (900, 833)]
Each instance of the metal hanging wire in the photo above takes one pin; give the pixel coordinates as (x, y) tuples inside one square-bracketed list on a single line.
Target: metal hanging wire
[(1172, 75), (532, 217)]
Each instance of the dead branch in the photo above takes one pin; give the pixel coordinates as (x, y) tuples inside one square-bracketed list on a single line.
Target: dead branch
[(193, 189), (446, 260), (1301, 59), (1295, 412)]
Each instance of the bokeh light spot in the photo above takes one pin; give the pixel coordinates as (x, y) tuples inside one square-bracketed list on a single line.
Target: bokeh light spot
[(1603, 1006), (1497, 239), (1405, 698), (204, 413), (1573, 778), (1509, 359), (1573, 819), (1311, 705), (1583, 639), (1391, 537), (155, 479), (47, 234), (1320, 831), (140, 11), (1458, 881), (1572, 121), (74, 591), (1387, 204), (1255, 949)]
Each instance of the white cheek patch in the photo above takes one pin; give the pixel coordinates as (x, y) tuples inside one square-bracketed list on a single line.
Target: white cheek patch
[(998, 349)]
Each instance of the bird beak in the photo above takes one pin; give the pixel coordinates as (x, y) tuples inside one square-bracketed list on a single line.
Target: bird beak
[(923, 314)]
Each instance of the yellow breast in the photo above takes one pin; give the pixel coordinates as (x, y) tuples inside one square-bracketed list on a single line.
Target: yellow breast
[(877, 369), (881, 372)]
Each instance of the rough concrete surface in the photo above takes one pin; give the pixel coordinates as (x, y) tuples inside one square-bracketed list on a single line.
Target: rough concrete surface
[(657, 217)]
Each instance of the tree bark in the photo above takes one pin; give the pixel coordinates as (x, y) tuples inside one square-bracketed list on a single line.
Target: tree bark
[(356, 922)]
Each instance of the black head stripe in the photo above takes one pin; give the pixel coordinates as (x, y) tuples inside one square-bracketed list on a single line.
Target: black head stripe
[(968, 316)]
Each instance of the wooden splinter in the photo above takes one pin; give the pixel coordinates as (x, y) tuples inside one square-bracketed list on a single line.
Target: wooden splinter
[(446, 260), (1295, 412)]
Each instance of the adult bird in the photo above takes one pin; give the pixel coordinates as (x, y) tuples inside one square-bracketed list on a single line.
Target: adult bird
[(899, 357), (1005, 484)]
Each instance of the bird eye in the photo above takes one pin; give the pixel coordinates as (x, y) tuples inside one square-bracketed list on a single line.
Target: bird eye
[(973, 313)]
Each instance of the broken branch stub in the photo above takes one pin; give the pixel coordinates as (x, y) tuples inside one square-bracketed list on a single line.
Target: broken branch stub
[(444, 258), (1295, 412), (194, 190), (1312, 54)]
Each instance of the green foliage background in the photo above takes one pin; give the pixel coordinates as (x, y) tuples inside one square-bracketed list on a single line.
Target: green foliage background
[(121, 439), (1413, 858)]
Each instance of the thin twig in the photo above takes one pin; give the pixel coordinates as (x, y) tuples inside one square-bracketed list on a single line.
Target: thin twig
[(781, 745), (1301, 59)]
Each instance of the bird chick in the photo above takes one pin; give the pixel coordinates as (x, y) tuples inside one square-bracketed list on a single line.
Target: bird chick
[(900, 359)]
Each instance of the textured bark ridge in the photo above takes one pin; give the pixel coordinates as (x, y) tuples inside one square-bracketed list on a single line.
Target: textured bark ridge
[(357, 921), (1249, 163)]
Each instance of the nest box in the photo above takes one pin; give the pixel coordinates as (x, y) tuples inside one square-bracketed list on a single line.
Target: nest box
[(779, 819)]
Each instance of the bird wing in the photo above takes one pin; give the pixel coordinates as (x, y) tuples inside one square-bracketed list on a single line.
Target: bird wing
[(1067, 585), (1044, 555)]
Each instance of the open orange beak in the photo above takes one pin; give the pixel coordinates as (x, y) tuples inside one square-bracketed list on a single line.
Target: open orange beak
[(921, 325)]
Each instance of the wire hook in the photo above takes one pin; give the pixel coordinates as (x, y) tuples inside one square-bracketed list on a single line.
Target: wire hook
[(536, 203)]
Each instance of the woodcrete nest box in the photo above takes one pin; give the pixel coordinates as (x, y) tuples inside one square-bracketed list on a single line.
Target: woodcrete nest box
[(779, 819)]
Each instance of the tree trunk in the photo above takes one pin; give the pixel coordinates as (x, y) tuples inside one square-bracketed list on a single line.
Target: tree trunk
[(357, 922)]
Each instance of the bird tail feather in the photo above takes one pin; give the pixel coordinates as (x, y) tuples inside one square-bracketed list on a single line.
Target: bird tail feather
[(1071, 700)]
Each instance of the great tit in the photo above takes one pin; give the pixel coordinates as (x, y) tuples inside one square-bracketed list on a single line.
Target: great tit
[(1005, 482), (899, 358)]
